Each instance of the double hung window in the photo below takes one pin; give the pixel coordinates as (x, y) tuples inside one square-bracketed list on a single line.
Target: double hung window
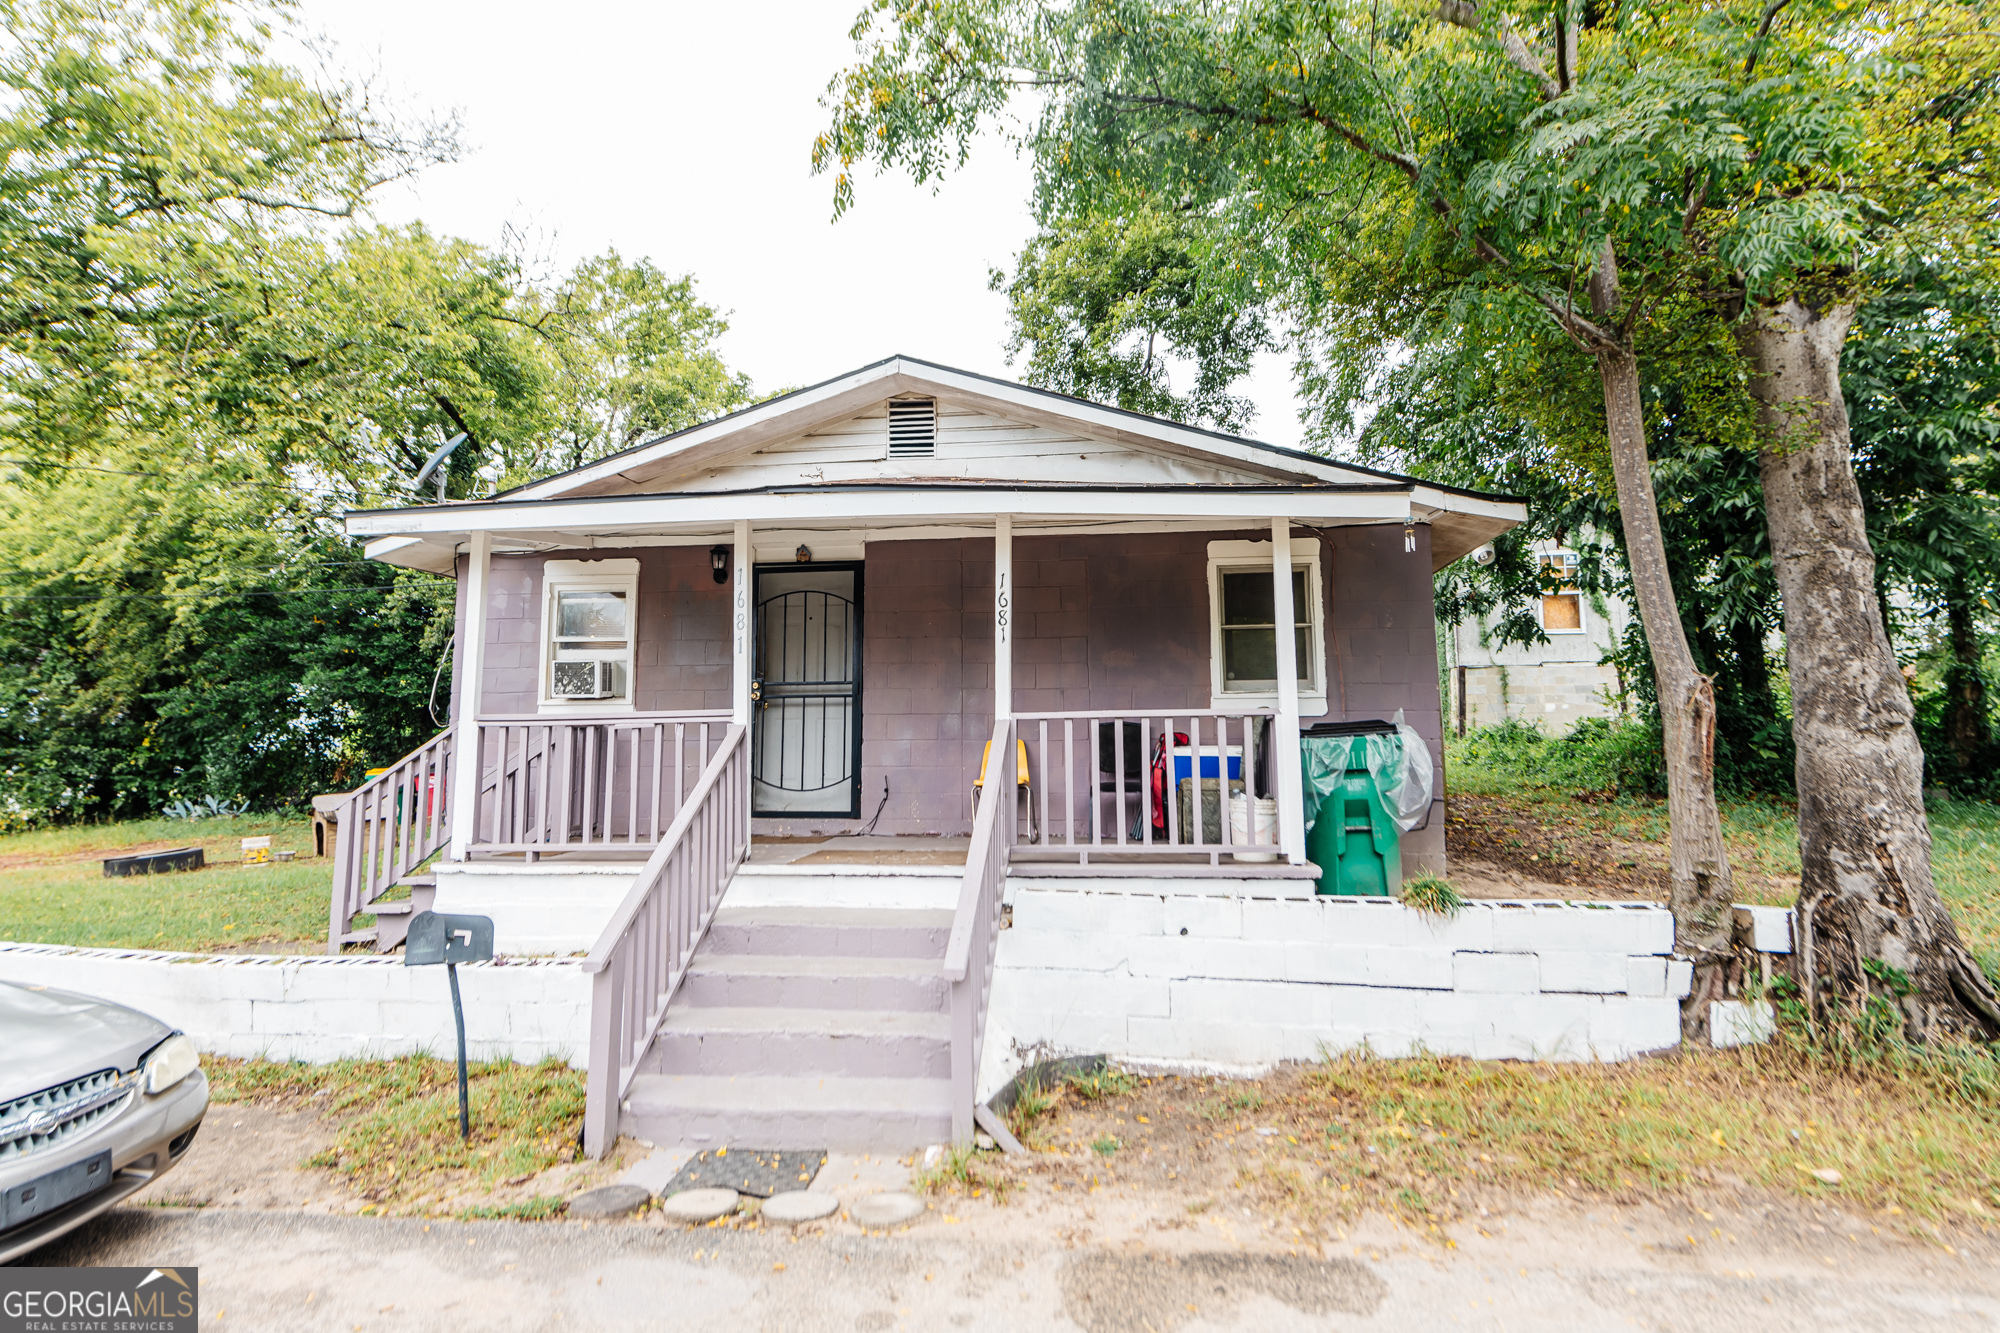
[(589, 626), (1245, 637)]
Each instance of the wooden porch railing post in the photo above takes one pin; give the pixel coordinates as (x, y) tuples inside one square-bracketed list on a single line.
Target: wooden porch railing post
[(1285, 734), (600, 1116)]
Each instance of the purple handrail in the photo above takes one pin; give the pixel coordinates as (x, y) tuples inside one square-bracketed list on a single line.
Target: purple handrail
[(644, 951), (385, 829)]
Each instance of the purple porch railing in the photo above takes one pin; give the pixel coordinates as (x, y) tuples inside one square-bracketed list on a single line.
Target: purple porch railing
[(975, 928), (554, 784), (387, 827), (639, 960), (1093, 783)]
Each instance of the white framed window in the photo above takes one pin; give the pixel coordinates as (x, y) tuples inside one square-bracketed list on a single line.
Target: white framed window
[(1562, 600), (1244, 637), (590, 615)]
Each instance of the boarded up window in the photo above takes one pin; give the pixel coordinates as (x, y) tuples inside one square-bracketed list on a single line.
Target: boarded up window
[(1562, 602)]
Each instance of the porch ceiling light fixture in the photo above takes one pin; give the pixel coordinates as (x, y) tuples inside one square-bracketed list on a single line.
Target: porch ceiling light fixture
[(804, 553), (718, 560)]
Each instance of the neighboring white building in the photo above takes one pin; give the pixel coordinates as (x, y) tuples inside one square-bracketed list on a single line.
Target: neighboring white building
[(1557, 683)]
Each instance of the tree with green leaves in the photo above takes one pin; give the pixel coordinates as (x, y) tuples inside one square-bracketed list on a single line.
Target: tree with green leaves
[(1512, 171), (1378, 163), (209, 354), (1119, 310)]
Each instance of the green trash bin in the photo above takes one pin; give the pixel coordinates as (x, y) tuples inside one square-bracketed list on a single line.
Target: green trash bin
[(1353, 840)]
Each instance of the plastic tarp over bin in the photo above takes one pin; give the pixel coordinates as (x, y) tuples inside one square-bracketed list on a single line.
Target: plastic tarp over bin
[(1366, 784)]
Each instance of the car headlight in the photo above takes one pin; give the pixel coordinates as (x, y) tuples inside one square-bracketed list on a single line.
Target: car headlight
[(171, 1061)]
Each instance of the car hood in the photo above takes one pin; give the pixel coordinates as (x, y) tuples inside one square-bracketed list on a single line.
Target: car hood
[(52, 1036)]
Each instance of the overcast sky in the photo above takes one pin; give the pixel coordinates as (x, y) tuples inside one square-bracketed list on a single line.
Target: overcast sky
[(682, 132)]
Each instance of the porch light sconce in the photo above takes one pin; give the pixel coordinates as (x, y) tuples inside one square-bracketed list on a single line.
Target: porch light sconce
[(718, 560), (804, 554)]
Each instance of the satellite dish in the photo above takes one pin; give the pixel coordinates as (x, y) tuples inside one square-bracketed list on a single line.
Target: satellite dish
[(436, 462)]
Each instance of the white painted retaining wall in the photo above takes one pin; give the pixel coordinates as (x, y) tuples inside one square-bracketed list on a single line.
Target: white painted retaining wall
[(318, 1008), (1242, 983)]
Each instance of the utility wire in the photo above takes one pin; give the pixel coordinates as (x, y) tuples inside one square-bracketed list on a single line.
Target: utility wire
[(267, 485), (234, 596)]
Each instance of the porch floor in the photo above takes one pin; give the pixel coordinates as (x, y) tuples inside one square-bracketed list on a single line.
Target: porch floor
[(1028, 859)]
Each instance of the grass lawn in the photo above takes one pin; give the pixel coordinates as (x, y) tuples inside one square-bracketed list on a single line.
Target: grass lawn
[(395, 1125), (1433, 1140), (53, 891), (1548, 833)]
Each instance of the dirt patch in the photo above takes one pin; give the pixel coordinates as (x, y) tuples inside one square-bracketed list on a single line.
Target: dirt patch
[(1151, 1293), (249, 1156), (1505, 849)]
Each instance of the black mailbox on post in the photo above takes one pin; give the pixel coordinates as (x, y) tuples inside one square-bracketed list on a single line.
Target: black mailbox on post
[(442, 937)]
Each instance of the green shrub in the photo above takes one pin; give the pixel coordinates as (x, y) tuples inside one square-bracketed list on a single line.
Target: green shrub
[(1600, 756)]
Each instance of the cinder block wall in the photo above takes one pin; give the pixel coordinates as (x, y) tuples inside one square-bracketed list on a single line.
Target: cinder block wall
[(1242, 983), (1556, 695), (319, 1009)]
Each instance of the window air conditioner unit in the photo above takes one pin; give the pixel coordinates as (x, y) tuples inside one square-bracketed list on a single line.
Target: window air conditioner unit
[(580, 680)]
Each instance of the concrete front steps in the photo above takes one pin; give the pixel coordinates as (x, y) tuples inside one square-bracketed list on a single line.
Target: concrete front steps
[(804, 1026)]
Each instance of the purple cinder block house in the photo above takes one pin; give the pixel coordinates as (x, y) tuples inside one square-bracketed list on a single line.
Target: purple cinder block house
[(729, 706)]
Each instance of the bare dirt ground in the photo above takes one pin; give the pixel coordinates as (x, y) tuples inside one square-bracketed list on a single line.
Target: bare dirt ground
[(1502, 849)]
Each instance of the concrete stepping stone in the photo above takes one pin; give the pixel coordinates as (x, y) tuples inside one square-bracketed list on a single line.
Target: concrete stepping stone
[(700, 1205), (610, 1201), (886, 1210), (796, 1206)]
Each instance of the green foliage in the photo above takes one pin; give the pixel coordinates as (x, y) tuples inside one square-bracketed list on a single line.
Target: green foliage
[(205, 360), (1433, 894), (1109, 308), (1097, 1084), (1601, 758)]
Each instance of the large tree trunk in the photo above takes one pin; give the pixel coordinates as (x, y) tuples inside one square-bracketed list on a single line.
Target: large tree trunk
[(1866, 893), (1699, 886)]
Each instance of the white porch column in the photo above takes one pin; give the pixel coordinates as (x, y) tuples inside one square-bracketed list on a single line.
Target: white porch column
[(743, 575), (1003, 616), (470, 666), (1285, 741)]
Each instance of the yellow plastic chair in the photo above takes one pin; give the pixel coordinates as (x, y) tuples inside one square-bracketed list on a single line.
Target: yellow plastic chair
[(1021, 783)]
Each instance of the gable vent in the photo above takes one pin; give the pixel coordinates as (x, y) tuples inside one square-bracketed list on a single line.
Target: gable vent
[(913, 428)]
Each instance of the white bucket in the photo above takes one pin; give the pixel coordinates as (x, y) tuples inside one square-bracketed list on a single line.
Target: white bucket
[(1239, 824)]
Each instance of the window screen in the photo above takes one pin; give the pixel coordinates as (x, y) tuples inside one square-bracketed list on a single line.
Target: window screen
[(1249, 625)]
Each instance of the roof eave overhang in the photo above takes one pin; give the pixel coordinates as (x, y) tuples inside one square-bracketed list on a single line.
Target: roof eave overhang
[(428, 537)]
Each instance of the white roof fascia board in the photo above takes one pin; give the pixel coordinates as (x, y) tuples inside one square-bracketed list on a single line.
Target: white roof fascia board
[(1104, 423), (607, 515), (1438, 500)]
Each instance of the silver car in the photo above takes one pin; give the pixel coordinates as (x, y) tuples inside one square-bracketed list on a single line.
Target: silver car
[(96, 1102)]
